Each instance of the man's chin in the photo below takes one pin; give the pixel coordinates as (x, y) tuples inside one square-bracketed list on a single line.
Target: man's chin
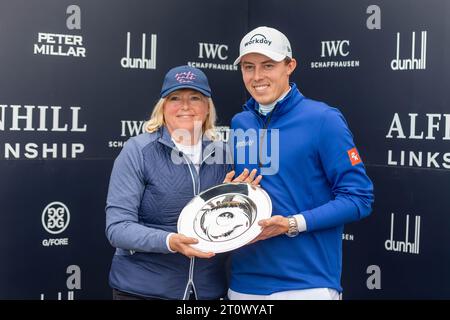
[(263, 101)]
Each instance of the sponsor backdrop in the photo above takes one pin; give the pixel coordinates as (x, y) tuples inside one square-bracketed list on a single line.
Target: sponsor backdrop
[(78, 78)]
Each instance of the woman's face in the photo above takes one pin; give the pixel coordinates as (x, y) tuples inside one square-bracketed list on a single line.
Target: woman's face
[(185, 110)]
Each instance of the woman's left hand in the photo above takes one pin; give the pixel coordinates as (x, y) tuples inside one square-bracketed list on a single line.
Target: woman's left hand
[(245, 176)]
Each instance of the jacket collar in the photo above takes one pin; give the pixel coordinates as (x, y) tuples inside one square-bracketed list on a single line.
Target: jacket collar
[(165, 138), (283, 106)]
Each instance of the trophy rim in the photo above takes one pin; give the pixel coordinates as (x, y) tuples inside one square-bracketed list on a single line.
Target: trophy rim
[(190, 213)]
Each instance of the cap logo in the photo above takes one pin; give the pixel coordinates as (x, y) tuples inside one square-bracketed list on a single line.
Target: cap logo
[(258, 38), (185, 77)]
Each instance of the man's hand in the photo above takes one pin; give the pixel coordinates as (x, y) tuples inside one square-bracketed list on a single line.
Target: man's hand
[(244, 177), (272, 227), (180, 243)]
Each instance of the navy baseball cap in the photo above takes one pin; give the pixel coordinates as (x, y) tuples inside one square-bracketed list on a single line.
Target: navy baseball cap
[(185, 77)]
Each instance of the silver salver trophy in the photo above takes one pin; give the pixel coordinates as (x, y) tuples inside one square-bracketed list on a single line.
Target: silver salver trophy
[(225, 217)]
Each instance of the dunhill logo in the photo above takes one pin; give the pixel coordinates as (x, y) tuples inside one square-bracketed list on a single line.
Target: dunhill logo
[(17, 115), (413, 63), (404, 246), (140, 63)]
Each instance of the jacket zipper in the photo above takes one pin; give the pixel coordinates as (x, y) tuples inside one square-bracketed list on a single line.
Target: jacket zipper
[(261, 139), (190, 283)]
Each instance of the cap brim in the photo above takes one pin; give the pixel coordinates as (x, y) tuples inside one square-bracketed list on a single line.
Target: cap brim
[(185, 86), (270, 54)]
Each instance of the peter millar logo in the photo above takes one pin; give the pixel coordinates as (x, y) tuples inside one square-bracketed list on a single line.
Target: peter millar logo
[(404, 246), (67, 45), (413, 63), (55, 217), (142, 62), (258, 39), (60, 45)]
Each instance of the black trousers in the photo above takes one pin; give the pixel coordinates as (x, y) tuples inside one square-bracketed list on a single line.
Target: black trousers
[(120, 295)]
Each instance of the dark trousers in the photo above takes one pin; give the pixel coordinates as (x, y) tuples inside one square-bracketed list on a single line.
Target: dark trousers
[(120, 295)]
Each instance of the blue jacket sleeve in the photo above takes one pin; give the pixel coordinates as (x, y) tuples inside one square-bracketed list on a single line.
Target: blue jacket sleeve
[(126, 188), (350, 186)]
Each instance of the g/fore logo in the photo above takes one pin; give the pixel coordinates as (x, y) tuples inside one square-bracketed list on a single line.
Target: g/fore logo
[(258, 38), (55, 219)]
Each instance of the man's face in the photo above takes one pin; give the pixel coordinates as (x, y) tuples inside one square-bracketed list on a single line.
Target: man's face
[(265, 79)]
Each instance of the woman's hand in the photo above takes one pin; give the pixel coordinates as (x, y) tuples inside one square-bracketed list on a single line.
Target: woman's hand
[(180, 243), (244, 177)]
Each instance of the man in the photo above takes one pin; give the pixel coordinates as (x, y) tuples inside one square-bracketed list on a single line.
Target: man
[(320, 183)]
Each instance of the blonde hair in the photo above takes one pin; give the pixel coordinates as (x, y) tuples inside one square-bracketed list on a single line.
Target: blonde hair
[(156, 120)]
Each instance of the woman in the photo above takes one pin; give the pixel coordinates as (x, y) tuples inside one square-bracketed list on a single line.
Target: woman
[(156, 174)]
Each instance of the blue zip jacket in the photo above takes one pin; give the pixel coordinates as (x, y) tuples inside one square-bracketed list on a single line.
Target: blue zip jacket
[(147, 192), (320, 176)]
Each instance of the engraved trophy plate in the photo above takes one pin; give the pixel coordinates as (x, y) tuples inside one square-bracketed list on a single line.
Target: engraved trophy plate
[(225, 217)]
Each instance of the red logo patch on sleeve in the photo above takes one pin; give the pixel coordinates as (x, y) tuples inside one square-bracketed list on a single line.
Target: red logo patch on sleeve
[(354, 156)]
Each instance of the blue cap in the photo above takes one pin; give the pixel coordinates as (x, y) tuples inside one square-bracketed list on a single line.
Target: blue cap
[(185, 77)]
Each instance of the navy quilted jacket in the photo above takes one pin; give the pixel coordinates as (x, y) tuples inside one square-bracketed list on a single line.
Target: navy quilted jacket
[(147, 192)]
